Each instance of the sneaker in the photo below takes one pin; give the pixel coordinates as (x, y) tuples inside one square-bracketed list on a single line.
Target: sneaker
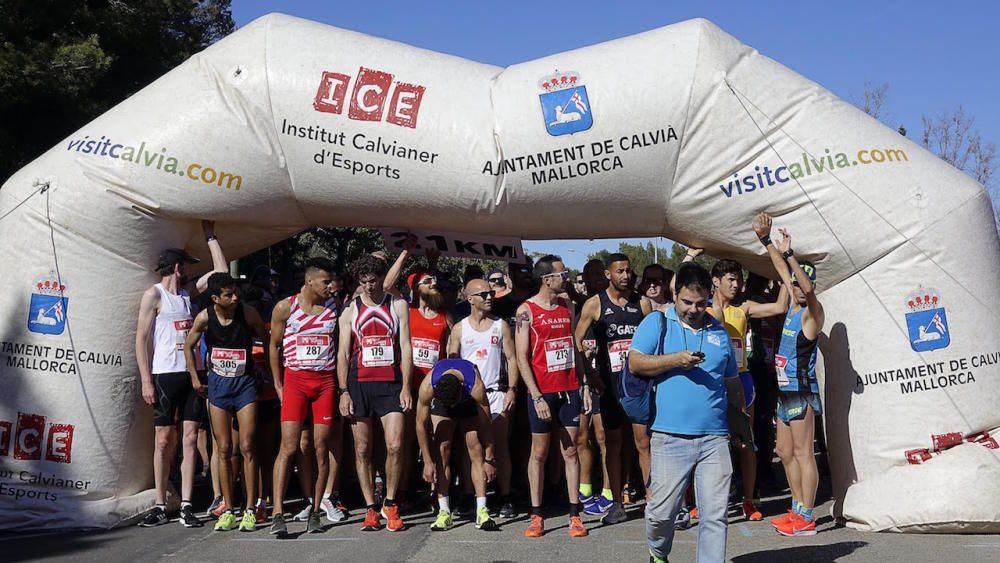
[(536, 528), (576, 528), (188, 519), (278, 527), (213, 509), (393, 522), (260, 511), (751, 512), (313, 525), (603, 504), (655, 559), (226, 522), (615, 514), (333, 514), (484, 521), (249, 522), (782, 520), (155, 517), (303, 515), (340, 506), (443, 522), (683, 519), (589, 505), (507, 510), (372, 521), (694, 512), (798, 526)]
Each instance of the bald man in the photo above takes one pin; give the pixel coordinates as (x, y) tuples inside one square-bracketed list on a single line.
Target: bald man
[(485, 340)]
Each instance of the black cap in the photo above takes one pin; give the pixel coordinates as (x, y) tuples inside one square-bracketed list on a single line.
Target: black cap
[(172, 256)]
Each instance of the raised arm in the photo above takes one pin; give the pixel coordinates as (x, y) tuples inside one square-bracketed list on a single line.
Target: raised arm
[(392, 276), (219, 263), (691, 254)]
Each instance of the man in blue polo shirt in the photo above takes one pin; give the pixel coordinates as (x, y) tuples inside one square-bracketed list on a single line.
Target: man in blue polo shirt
[(694, 375)]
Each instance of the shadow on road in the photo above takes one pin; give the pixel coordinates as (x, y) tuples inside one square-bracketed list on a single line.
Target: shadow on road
[(811, 553), (42, 547)]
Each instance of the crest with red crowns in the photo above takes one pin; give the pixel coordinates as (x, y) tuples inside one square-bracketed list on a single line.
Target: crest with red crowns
[(47, 309), (565, 106), (926, 320)]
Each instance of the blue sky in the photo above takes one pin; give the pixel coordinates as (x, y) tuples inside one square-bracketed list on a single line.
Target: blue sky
[(934, 56)]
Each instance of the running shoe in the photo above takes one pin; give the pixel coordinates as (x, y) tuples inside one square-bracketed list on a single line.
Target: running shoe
[(484, 521), (536, 528), (219, 509), (615, 514), (333, 514), (798, 526), (249, 522), (226, 522), (340, 506), (303, 515), (576, 528), (508, 510), (216, 503), (683, 519), (654, 559), (443, 522), (603, 504), (372, 521), (313, 525), (260, 511), (188, 519), (590, 505), (393, 522), (278, 527), (782, 520), (694, 512), (155, 517), (751, 512)]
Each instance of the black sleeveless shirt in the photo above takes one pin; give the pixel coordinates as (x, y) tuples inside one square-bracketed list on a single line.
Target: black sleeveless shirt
[(613, 330), (230, 348)]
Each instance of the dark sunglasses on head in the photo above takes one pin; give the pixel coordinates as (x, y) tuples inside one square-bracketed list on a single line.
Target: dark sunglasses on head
[(498, 281), (484, 294)]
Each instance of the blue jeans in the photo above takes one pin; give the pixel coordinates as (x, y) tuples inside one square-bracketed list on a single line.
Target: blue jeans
[(674, 460)]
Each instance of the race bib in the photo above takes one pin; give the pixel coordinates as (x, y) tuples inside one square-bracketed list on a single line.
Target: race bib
[(618, 353), (377, 351), (228, 362), (559, 354), (311, 349), (739, 350), (181, 330), (779, 367), (425, 352)]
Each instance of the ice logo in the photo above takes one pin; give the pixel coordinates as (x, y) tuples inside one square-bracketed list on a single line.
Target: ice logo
[(565, 106), (47, 310), (926, 321)]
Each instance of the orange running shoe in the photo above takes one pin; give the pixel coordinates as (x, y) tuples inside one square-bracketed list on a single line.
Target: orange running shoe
[(372, 521), (798, 526), (576, 528), (751, 512), (217, 512), (782, 520), (393, 522), (536, 528), (693, 512)]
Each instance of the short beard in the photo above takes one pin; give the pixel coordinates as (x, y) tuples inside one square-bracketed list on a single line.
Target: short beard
[(433, 300)]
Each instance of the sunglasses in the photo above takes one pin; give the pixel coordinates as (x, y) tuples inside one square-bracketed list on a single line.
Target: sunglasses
[(498, 281), (484, 295), (563, 275), (427, 281)]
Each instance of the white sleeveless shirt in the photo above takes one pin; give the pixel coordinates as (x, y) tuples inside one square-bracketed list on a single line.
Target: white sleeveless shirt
[(173, 323), (485, 349)]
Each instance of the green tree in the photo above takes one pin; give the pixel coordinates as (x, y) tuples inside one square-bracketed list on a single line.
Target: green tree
[(64, 63), (642, 255)]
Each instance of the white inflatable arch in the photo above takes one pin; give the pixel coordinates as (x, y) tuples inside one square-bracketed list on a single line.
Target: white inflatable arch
[(682, 132)]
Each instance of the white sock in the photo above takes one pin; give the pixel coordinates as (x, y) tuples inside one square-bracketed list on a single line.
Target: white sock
[(443, 504), (326, 496), (480, 503), (185, 503)]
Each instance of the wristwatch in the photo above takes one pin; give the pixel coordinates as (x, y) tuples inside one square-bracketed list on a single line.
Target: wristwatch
[(344, 390), (788, 254), (492, 462)]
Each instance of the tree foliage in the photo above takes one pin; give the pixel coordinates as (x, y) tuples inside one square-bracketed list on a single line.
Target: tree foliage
[(64, 63), (642, 255)]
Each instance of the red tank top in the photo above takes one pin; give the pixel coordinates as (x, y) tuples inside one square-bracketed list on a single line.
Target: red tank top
[(310, 342), (427, 338), (553, 354), (375, 345)]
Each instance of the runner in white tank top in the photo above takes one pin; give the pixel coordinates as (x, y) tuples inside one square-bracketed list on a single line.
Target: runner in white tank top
[(485, 340), (164, 322)]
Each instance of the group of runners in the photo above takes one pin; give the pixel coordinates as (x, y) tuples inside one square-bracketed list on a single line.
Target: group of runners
[(444, 390)]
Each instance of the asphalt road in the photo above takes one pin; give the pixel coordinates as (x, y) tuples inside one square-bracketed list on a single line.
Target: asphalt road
[(749, 542)]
